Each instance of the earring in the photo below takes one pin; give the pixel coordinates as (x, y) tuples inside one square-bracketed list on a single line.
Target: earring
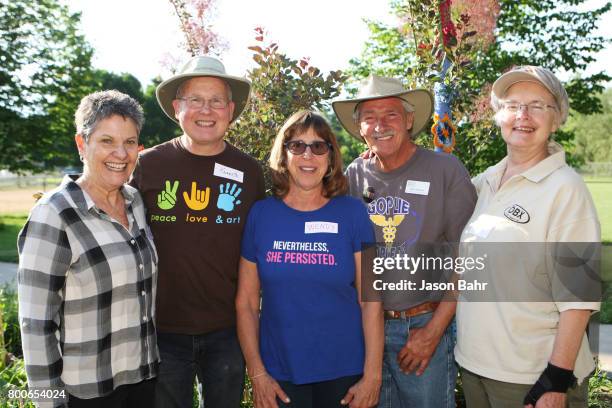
[(329, 172)]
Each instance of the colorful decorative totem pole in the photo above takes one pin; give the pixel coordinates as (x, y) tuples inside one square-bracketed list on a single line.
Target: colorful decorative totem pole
[(443, 129)]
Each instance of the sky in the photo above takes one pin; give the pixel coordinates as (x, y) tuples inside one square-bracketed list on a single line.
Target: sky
[(136, 36)]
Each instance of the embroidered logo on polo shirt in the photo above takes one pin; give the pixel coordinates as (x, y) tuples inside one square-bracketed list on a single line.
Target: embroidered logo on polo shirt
[(517, 213)]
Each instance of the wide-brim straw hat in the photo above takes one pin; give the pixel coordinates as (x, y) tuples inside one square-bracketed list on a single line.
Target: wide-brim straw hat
[(203, 66), (376, 87)]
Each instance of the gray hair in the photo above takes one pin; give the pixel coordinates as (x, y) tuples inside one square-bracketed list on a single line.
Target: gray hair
[(407, 107), (533, 74), (98, 106), (179, 90)]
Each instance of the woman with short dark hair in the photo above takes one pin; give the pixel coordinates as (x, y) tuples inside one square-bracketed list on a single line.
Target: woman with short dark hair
[(87, 270)]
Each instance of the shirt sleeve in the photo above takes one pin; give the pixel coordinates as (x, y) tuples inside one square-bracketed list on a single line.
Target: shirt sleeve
[(364, 231), (44, 259), (459, 203), (136, 176), (575, 237), (249, 250), (478, 181)]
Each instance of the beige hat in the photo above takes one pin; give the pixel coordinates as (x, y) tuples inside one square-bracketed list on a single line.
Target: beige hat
[(203, 66), (376, 87), (531, 73)]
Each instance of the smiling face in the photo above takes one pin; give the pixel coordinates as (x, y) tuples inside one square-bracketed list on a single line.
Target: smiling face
[(306, 170), (384, 124), (205, 127), (523, 130), (110, 153)]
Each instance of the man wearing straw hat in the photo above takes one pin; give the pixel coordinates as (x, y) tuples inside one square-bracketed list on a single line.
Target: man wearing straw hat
[(198, 189), (415, 197)]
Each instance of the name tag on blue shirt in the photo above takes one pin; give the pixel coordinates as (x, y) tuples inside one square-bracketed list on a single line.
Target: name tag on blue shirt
[(320, 227)]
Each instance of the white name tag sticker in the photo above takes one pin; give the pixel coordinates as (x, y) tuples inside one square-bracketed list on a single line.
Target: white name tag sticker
[(228, 173), (320, 227), (417, 187)]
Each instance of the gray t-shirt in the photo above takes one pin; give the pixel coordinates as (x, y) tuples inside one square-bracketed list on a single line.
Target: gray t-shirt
[(428, 200)]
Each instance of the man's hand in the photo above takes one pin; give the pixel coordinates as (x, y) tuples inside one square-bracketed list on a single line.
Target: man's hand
[(166, 199), (419, 348), (550, 400), (198, 200)]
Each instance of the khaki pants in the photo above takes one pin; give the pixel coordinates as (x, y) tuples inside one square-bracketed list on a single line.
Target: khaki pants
[(482, 392)]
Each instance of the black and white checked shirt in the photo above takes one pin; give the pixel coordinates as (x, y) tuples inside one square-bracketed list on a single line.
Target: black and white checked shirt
[(87, 294)]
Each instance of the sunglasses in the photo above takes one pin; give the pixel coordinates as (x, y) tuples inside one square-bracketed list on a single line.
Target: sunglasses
[(299, 147)]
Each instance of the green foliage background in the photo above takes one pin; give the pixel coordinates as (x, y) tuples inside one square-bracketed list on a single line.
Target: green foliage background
[(45, 69), (553, 34), (594, 132)]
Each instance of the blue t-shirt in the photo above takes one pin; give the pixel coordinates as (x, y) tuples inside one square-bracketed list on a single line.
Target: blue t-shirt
[(310, 326)]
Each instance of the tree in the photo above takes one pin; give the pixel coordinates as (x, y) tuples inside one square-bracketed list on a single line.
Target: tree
[(44, 59), (594, 132), (158, 127), (550, 33), (60, 112), (350, 147), (123, 82), (280, 87)]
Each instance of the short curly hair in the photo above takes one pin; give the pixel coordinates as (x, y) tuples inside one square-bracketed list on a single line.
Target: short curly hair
[(98, 106)]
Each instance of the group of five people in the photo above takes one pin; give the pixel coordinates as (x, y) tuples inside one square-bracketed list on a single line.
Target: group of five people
[(150, 269)]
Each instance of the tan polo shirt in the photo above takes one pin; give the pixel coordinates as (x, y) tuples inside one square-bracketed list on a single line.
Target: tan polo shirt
[(513, 341)]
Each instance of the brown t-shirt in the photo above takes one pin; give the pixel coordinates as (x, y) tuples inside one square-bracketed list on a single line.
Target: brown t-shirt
[(197, 207)]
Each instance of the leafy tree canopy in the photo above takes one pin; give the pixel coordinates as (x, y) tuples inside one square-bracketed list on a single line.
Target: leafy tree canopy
[(45, 70), (553, 34), (60, 112), (280, 87), (158, 127), (42, 56), (594, 132)]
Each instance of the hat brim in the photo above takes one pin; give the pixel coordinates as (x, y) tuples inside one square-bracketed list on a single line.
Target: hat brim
[(421, 99), (166, 92), (501, 85)]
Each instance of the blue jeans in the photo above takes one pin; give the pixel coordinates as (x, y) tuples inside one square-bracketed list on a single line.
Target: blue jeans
[(435, 388), (214, 357)]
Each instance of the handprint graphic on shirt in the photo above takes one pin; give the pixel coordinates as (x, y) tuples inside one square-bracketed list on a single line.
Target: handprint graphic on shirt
[(166, 199), (227, 196), (198, 200)]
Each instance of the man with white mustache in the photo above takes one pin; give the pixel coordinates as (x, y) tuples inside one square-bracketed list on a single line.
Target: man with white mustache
[(198, 190), (414, 196)]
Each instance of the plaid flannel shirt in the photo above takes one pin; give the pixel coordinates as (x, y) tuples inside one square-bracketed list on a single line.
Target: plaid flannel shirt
[(86, 294)]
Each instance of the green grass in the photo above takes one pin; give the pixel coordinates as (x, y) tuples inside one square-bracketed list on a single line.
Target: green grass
[(48, 184), (601, 190), (9, 228)]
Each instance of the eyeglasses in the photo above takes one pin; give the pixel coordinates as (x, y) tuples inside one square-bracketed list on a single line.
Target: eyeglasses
[(299, 147), (199, 103), (533, 108)]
